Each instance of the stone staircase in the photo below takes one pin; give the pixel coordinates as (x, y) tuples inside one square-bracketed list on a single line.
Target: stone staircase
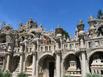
[(28, 71)]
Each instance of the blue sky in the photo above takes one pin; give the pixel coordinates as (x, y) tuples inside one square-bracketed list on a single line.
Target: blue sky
[(49, 13)]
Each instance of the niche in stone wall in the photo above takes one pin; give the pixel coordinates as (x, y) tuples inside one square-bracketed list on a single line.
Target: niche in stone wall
[(96, 63), (14, 63), (29, 60)]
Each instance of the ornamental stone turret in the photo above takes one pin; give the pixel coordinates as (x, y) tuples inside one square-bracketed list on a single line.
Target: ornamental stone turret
[(82, 49), (92, 29), (59, 32), (7, 34), (80, 29), (31, 24)]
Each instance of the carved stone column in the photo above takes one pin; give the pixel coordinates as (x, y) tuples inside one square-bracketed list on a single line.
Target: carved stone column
[(62, 69), (21, 59), (84, 66), (21, 63), (35, 49), (37, 65), (34, 65), (58, 64), (25, 50), (8, 58), (7, 62), (83, 63), (34, 62)]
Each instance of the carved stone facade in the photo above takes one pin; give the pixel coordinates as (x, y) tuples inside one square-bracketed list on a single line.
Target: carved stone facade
[(38, 53)]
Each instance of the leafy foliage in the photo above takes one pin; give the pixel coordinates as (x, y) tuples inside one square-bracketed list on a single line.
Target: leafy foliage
[(67, 76), (22, 75), (1, 74), (8, 27), (93, 75), (99, 14), (7, 74), (66, 34)]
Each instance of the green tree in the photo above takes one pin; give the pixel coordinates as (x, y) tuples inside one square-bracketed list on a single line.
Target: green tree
[(1, 74), (99, 14), (93, 75), (7, 74), (66, 34), (22, 75), (67, 76)]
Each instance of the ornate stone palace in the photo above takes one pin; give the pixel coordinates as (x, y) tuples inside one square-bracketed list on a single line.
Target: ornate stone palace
[(38, 53)]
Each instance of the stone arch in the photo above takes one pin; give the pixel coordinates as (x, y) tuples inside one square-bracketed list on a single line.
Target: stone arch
[(94, 51), (31, 34), (71, 64), (29, 60), (41, 56), (68, 53), (46, 65), (96, 61)]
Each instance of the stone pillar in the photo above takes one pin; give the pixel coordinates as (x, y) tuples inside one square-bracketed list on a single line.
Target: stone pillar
[(34, 65), (34, 61), (8, 58), (25, 50), (8, 62), (37, 65), (87, 64), (21, 63), (83, 58), (58, 64), (83, 64), (62, 69), (21, 59)]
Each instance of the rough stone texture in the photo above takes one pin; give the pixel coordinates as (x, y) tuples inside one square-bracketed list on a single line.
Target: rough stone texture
[(52, 54)]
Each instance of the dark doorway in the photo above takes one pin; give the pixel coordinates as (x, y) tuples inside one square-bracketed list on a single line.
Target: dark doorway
[(51, 69)]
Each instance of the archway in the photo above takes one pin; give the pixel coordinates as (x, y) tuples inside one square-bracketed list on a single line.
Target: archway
[(29, 60), (96, 63), (2, 60), (15, 63), (47, 66), (28, 64), (72, 66)]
